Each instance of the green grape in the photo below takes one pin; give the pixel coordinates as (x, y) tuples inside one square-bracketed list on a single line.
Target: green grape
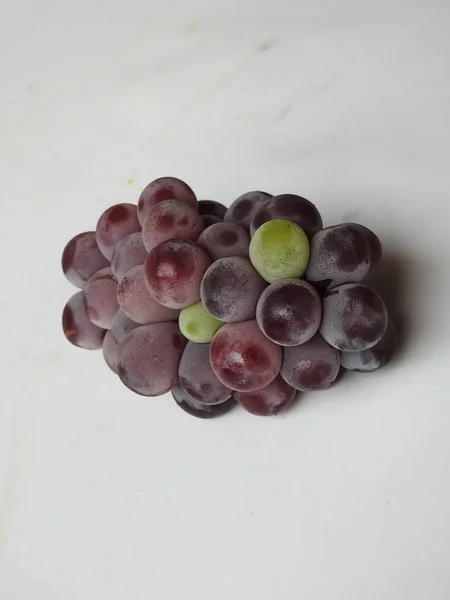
[(197, 324), (279, 249)]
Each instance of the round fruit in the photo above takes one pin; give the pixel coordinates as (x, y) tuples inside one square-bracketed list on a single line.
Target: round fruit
[(197, 325), (243, 358), (311, 366), (354, 319), (279, 249)]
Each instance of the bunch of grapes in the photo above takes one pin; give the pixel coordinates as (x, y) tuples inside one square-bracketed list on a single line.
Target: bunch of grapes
[(249, 304)]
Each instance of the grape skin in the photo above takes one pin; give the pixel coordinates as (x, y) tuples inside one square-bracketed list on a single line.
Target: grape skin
[(289, 312), (199, 410), (209, 220), (149, 358), (122, 325), (197, 378), (230, 289), (78, 328), (100, 293), (116, 223), (164, 188), (375, 246), (354, 317), (374, 358), (279, 249), (271, 400), (82, 258), (212, 208), (245, 207), (243, 358), (138, 304), (225, 239), (339, 254), (110, 351), (173, 272), (291, 207), (129, 252), (171, 219), (310, 366)]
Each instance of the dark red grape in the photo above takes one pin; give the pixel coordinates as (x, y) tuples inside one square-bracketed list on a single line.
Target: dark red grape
[(111, 351), (197, 409), (82, 258), (138, 304), (225, 239), (209, 220), (173, 272), (116, 222), (271, 400), (78, 328), (171, 219), (310, 366), (374, 244), (149, 357), (212, 208), (100, 293), (291, 208), (231, 288), (243, 358), (339, 254), (164, 188), (197, 378), (245, 207), (129, 252), (289, 312), (122, 325), (354, 317), (374, 358)]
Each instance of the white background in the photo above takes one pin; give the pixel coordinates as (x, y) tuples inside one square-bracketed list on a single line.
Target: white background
[(107, 495)]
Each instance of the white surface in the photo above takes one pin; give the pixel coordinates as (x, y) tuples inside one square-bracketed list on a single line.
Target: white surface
[(107, 495)]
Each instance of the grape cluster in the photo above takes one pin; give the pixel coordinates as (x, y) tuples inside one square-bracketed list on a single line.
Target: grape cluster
[(247, 305)]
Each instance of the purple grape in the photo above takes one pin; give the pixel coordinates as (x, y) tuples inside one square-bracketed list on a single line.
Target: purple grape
[(129, 252), (374, 358), (197, 378), (122, 325), (225, 239), (100, 293), (173, 272), (374, 244), (138, 304), (149, 357), (338, 254), (291, 208), (245, 207), (243, 358), (311, 366), (78, 328), (212, 208), (231, 288), (82, 258), (354, 317), (271, 400), (289, 312), (197, 409), (111, 351), (209, 220), (164, 188), (171, 219), (116, 222)]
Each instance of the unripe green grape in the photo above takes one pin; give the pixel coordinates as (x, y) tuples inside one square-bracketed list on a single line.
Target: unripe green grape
[(279, 249), (197, 325)]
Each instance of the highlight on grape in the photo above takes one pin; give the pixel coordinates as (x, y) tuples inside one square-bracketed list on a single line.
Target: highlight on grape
[(249, 305)]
